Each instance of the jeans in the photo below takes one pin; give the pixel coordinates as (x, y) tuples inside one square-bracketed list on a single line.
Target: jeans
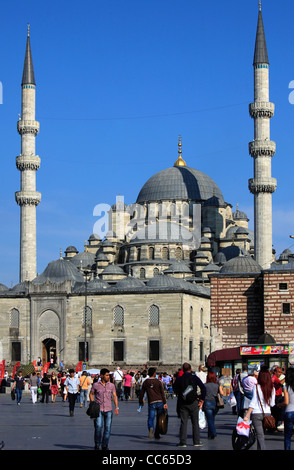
[(83, 396), (191, 411), (100, 437), (210, 411), (153, 410), (18, 395), (288, 429)]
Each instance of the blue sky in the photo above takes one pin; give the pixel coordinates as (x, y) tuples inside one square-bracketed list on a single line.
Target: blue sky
[(117, 83)]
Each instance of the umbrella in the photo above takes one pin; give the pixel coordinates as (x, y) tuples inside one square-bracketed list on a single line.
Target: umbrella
[(93, 371)]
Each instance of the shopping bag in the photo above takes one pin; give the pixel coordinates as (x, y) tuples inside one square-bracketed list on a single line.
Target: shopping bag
[(243, 427), (243, 442), (232, 400), (202, 419)]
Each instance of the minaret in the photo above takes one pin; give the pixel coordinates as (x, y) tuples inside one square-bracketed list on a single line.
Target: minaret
[(262, 149), (28, 163)]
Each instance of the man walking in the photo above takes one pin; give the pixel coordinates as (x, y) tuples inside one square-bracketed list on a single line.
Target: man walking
[(72, 386), (189, 402), (118, 380), (156, 400), (19, 385), (102, 392)]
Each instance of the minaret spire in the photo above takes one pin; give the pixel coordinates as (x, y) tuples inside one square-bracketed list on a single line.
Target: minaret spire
[(28, 163), (262, 149)]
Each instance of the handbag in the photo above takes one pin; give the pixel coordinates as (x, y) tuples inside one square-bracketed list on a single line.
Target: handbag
[(241, 442), (219, 400), (12, 393), (268, 422)]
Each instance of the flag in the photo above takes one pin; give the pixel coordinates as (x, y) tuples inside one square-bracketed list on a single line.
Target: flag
[(79, 366)]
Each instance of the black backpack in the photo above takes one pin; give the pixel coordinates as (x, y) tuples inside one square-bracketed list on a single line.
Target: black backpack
[(189, 390)]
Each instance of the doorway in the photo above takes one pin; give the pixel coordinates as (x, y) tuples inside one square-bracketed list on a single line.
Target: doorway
[(48, 350)]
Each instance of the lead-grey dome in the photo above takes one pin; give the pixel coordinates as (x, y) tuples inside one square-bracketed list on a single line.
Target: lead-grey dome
[(241, 264), (179, 183), (129, 282), (168, 232), (59, 271), (83, 260)]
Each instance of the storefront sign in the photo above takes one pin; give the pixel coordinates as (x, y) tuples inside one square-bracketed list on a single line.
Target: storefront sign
[(268, 350)]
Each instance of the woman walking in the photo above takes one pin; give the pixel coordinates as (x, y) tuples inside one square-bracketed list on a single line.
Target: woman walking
[(260, 405), (54, 386), (209, 407), (289, 411)]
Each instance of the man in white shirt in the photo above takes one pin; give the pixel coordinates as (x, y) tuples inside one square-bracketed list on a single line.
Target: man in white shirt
[(72, 385), (118, 378)]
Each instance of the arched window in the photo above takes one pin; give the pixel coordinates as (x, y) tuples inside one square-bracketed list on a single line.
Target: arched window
[(155, 272), (14, 318), (151, 252), (138, 254), (154, 315), (164, 253), (179, 254), (118, 317), (142, 273)]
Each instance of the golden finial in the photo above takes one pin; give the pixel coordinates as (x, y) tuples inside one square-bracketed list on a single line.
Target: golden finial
[(28, 29), (86, 247), (180, 161), (259, 5)]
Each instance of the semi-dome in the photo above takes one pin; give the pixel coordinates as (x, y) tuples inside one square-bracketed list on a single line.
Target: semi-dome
[(179, 183), (59, 271), (168, 232), (240, 264), (129, 282)]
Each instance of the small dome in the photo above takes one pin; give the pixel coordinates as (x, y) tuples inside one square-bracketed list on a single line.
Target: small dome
[(71, 249), (94, 237), (242, 230), (129, 282), (92, 286), (84, 260), (240, 264), (239, 215), (59, 271), (178, 267), (113, 269), (211, 268), (266, 339), (101, 257), (163, 281), (220, 258), (3, 288)]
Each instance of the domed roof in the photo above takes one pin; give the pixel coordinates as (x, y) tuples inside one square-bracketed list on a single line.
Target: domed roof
[(163, 281), (179, 183), (59, 271), (164, 232), (241, 264), (178, 267), (71, 249), (3, 287), (113, 269), (84, 259), (239, 215), (129, 282), (92, 286)]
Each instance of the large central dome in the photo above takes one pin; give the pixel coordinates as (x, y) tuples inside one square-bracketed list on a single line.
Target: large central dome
[(179, 183)]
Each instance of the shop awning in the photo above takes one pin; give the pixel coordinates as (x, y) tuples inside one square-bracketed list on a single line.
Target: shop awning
[(230, 354)]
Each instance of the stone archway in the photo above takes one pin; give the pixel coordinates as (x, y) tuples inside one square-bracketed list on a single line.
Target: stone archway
[(49, 335)]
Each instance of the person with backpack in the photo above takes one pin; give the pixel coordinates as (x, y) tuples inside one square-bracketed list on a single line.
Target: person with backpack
[(210, 403), (189, 401)]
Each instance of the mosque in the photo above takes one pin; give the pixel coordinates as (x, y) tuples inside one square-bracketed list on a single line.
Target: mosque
[(152, 290)]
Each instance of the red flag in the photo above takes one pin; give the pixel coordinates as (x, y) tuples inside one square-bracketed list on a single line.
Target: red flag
[(16, 366), (2, 369), (46, 367), (79, 366)]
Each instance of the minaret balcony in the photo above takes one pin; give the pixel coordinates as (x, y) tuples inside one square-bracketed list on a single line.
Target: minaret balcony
[(28, 162), (28, 198), (28, 127), (264, 185), (262, 148), (261, 109)]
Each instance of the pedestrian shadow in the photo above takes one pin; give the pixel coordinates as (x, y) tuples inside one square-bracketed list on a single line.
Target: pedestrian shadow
[(73, 446)]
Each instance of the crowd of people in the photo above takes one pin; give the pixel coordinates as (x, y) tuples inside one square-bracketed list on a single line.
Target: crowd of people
[(202, 393)]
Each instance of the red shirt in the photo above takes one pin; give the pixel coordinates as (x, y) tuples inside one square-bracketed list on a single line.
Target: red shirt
[(277, 385)]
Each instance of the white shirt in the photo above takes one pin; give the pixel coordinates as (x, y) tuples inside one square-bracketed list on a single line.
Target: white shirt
[(118, 375), (255, 403)]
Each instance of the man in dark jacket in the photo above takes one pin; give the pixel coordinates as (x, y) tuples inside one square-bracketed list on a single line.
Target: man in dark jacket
[(156, 400), (189, 401)]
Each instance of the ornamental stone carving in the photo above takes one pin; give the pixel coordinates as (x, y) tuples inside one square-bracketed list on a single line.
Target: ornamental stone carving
[(28, 162), (28, 127), (28, 198), (264, 186), (261, 109), (262, 148)]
